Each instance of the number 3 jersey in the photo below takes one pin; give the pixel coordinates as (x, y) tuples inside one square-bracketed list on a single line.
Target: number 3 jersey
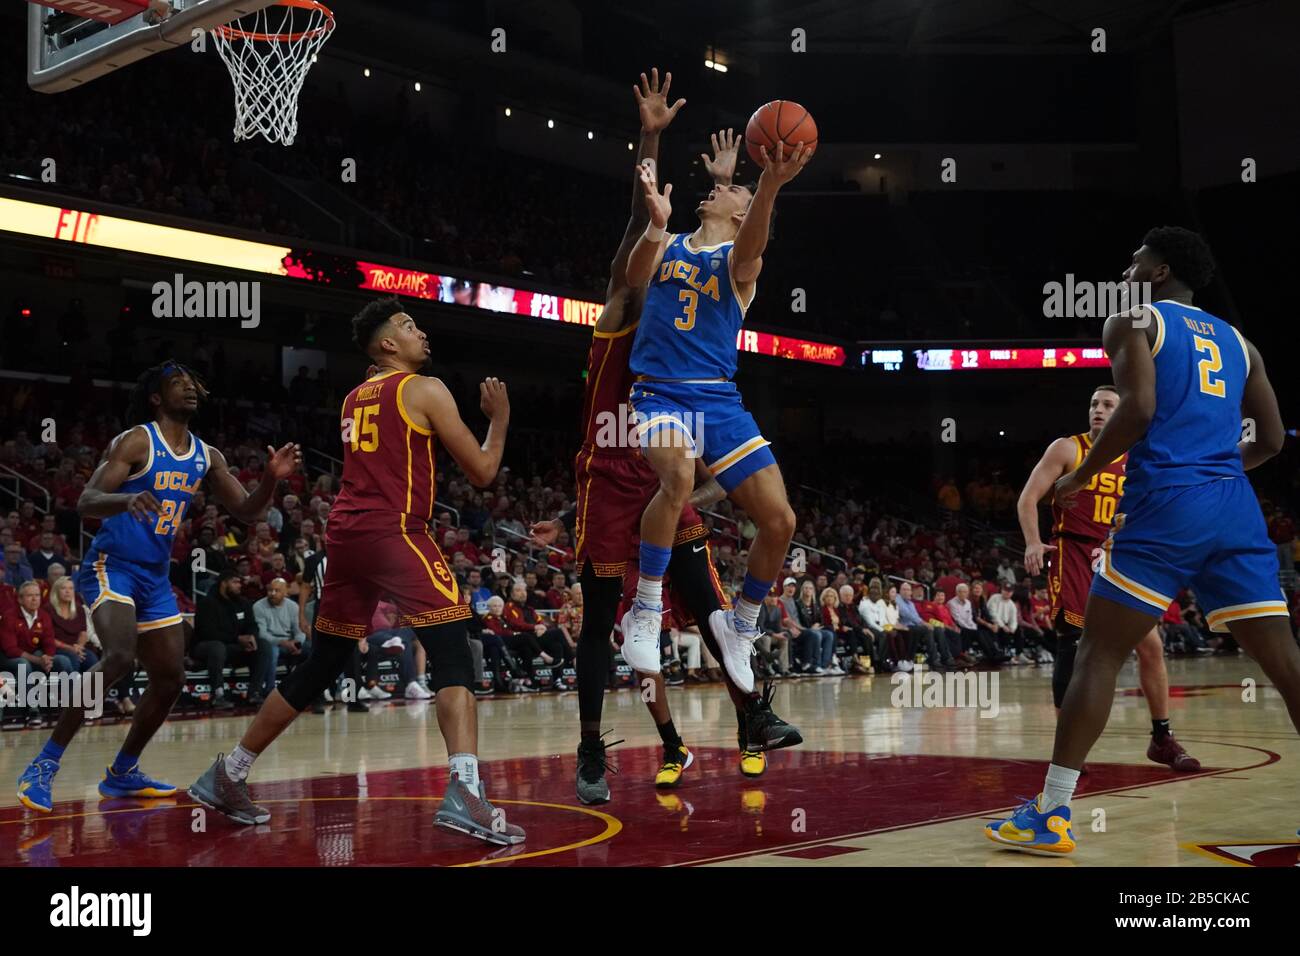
[(172, 479)]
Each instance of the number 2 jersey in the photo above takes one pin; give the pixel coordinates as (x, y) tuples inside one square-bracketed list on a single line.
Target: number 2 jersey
[(1201, 367), (1190, 517)]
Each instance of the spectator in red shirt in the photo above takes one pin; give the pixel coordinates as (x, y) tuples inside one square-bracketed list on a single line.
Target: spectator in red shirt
[(556, 596), (521, 645), (530, 636), (252, 471), (27, 637), (467, 547), (937, 610), (276, 567), (68, 618), (29, 523), (263, 543), (250, 583)]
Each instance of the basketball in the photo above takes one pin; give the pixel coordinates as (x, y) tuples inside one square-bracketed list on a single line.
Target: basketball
[(782, 121)]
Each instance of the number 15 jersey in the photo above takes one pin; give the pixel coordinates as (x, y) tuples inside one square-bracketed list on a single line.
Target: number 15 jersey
[(388, 460)]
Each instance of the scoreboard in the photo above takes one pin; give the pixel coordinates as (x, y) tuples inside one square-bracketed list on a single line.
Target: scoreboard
[(944, 358)]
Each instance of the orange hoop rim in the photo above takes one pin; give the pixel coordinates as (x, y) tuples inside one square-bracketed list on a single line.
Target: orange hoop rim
[(226, 31)]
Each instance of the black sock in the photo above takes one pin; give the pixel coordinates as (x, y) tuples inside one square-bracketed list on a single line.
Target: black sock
[(1160, 728), (668, 734), (589, 734)]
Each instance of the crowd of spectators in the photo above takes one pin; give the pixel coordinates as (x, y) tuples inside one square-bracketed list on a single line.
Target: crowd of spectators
[(865, 591)]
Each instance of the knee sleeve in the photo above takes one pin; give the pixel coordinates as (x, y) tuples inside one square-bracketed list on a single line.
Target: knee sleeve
[(450, 662), (329, 655), (1067, 644)]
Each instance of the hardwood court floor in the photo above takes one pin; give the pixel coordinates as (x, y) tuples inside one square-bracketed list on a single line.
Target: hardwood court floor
[(873, 784)]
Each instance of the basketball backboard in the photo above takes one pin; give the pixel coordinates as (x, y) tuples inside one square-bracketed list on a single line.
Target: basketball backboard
[(65, 49)]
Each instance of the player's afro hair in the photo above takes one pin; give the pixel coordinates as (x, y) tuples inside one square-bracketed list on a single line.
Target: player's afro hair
[(369, 319), (139, 408), (1185, 252)]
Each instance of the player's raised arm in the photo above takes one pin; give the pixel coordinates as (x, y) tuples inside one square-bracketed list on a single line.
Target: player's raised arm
[(751, 237), (1126, 340), (1055, 462), (655, 114), (1259, 402), (649, 248), (101, 499), (430, 398), (227, 489), (726, 148)]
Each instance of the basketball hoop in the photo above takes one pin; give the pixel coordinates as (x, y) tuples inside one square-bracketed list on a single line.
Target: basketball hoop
[(268, 54)]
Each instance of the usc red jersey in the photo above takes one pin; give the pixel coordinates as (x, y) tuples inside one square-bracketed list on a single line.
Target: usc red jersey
[(387, 458), (1078, 534), (609, 380), (378, 539), (1095, 506)]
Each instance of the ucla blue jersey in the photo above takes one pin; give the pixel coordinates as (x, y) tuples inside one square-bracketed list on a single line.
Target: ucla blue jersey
[(1201, 368), (691, 316), (173, 480)]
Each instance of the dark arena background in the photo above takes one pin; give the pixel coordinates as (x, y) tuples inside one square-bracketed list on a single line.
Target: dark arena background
[(927, 321)]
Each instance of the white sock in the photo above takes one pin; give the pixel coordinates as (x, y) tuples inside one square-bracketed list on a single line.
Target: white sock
[(650, 592), (747, 611), (465, 767), (238, 762), (1058, 790)]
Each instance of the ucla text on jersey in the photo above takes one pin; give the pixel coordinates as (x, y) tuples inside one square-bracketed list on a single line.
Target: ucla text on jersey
[(692, 315)]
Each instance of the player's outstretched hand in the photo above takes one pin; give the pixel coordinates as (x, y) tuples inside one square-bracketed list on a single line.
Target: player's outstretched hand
[(1067, 486), (779, 168), (143, 506), (726, 148), (283, 461), (652, 102), (1035, 555), (493, 398), (544, 533), (657, 203)]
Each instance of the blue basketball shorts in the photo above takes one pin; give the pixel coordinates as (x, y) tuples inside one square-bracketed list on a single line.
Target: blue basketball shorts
[(106, 577), (1211, 537), (710, 419)]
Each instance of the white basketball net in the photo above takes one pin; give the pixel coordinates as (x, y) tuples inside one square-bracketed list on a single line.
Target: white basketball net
[(268, 54)]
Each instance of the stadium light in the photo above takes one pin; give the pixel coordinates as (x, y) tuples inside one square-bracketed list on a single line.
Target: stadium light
[(877, 156), (507, 111), (590, 135), (366, 71), (417, 86), (550, 124)]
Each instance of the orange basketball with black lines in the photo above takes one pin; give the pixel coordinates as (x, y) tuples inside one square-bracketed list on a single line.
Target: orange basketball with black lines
[(780, 121)]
